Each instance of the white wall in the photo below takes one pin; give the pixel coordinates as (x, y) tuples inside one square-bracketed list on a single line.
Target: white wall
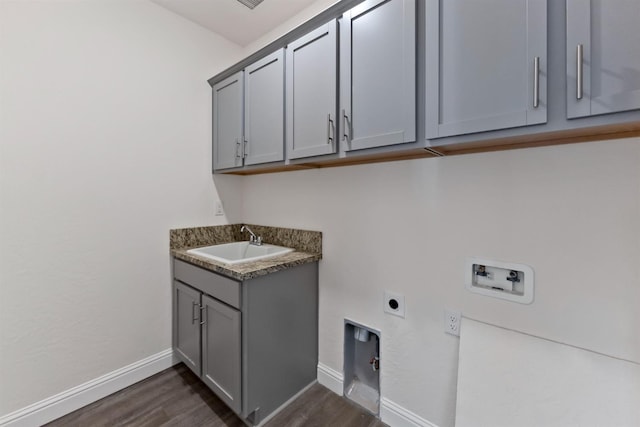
[(309, 12), (104, 146), (571, 212), (105, 134)]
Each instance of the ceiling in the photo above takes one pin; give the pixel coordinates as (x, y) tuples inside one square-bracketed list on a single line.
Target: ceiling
[(234, 21)]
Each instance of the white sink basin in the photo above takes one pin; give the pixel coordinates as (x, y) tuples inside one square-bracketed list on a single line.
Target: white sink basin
[(238, 252)]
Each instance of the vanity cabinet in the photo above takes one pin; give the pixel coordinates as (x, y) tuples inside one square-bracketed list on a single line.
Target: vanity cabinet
[(311, 93), (378, 74), (227, 122), (254, 342), (486, 65), (603, 56), (207, 340)]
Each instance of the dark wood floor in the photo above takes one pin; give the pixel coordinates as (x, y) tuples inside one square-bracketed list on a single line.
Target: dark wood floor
[(176, 397)]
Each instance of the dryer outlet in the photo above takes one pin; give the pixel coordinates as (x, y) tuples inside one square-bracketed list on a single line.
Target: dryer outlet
[(394, 304)]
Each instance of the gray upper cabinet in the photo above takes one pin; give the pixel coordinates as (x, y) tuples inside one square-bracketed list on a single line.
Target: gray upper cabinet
[(486, 65), (264, 110), (378, 74), (186, 331), (221, 369), (603, 56), (227, 122), (311, 93)]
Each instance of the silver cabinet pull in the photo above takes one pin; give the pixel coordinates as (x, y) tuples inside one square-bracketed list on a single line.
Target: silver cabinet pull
[(579, 60), (536, 82), (194, 316), (244, 149), (203, 319), (238, 148), (346, 127), (330, 129)]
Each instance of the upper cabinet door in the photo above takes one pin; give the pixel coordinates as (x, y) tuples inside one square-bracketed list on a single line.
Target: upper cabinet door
[(603, 56), (264, 110), (378, 74), (311, 93), (227, 123), (486, 65)]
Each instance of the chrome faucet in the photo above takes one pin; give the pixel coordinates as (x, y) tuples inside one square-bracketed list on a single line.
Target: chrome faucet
[(253, 239)]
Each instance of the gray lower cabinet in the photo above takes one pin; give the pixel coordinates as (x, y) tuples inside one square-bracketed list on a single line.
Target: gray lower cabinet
[(253, 343), (378, 74), (603, 56), (264, 110), (227, 123), (186, 331), (486, 65), (312, 93), (221, 353)]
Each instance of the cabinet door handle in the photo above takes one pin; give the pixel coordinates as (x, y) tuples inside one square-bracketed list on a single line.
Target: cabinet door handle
[(244, 149), (346, 127), (203, 319), (238, 149), (536, 82), (194, 316), (330, 129), (579, 60)]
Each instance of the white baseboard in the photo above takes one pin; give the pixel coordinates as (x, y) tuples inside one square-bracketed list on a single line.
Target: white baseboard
[(331, 379), (390, 412), (75, 398), (285, 404), (396, 416)]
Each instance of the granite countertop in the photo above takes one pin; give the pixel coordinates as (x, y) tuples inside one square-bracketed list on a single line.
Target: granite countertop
[(307, 245)]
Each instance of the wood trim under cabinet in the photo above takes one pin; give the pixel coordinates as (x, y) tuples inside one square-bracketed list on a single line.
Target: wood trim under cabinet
[(572, 136)]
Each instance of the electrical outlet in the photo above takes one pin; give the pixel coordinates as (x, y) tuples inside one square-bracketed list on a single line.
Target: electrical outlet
[(219, 210), (394, 304), (452, 322)]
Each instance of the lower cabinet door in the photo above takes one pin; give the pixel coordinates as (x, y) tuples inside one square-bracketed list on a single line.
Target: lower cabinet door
[(186, 328), (221, 358)]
